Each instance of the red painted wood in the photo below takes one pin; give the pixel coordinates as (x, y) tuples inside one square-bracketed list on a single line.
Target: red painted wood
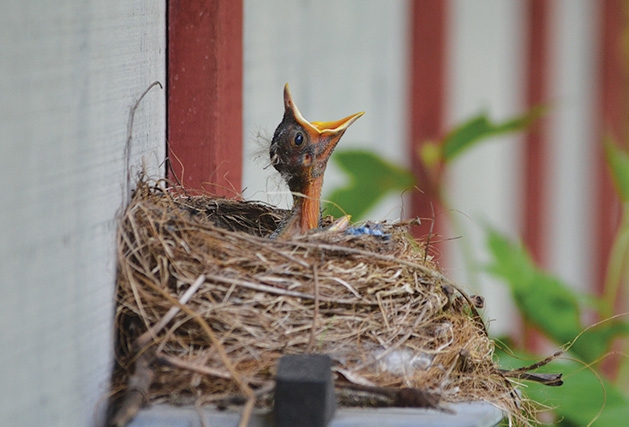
[(614, 96), (536, 141), (205, 94), (427, 80), (536, 155), (613, 110)]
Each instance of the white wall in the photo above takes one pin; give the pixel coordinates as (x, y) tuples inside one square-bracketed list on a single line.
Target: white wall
[(485, 74), (70, 72), (573, 145), (339, 58)]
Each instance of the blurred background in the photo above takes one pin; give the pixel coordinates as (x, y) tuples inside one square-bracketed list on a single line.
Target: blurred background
[(418, 69)]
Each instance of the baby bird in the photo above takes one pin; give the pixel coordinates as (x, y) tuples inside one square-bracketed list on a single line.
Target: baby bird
[(300, 151)]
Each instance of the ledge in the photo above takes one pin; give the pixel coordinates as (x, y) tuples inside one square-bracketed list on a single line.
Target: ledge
[(473, 414)]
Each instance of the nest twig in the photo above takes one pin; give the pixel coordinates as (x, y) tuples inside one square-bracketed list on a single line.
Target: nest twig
[(210, 303)]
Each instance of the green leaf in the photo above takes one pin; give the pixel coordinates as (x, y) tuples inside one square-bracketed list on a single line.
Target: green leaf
[(548, 303), (480, 127), (370, 179), (544, 300), (618, 163), (581, 397)]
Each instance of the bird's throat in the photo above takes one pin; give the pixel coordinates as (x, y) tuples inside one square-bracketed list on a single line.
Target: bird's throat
[(305, 212), (310, 205)]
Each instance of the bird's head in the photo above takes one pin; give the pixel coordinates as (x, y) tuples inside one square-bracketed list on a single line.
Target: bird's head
[(300, 151)]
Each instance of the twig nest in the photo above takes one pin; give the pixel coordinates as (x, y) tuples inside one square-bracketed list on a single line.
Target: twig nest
[(379, 307)]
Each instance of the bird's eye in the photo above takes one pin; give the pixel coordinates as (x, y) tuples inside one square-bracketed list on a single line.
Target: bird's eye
[(299, 139)]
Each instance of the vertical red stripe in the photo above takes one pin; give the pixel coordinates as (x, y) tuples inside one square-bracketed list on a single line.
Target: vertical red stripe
[(536, 143), (613, 121), (205, 94), (428, 47), (613, 96), (536, 176)]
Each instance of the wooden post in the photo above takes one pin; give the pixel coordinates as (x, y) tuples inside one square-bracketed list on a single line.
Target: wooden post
[(427, 75), (613, 107), (535, 171), (205, 94), (535, 178)]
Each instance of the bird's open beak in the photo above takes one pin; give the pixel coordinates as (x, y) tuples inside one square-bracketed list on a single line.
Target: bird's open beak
[(317, 130), (324, 136)]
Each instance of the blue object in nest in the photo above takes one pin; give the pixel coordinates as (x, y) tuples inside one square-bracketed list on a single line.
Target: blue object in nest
[(369, 229)]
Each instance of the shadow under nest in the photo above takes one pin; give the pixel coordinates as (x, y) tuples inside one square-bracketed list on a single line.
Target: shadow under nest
[(207, 304)]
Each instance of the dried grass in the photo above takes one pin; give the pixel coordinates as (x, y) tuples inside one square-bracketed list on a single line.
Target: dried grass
[(380, 308)]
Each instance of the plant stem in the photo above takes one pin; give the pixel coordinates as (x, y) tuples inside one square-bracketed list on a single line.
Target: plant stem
[(617, 272), (617, 267)]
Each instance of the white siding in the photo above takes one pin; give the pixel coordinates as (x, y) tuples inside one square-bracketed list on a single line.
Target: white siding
[(572, 141), (485, 71), (71, 70)]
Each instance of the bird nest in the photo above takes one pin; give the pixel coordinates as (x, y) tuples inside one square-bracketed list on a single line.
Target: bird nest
[(207, 304)]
